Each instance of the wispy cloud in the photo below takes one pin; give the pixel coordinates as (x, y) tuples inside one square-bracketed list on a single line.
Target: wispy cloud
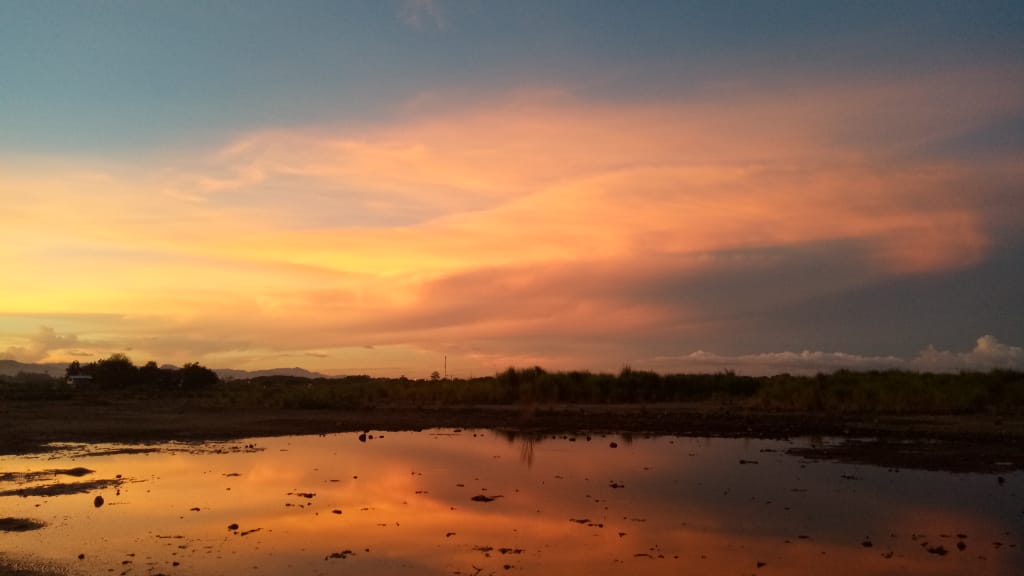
[(422, 14)]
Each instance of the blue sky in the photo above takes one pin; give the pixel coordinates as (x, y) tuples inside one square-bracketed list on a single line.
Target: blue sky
[(93, 76)]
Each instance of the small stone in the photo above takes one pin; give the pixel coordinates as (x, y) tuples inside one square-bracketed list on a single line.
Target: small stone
[(613, 445), (98, 501), (232, 526)]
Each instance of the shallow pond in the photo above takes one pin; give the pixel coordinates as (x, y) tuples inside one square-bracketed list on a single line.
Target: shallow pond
[(477, 502)]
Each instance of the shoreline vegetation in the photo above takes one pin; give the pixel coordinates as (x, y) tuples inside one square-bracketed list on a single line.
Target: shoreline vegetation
[(842, 391), (124, 403)]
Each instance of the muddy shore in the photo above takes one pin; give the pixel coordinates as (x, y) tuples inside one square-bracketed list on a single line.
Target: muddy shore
[(966, 442)]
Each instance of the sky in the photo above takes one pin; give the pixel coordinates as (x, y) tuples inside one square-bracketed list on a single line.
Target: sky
[(393, 187)]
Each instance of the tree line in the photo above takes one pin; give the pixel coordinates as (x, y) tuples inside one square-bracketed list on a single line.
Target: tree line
[(118, 372), (891, 391)]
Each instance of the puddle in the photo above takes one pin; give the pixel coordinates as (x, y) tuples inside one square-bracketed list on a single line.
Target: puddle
[(475, 502)]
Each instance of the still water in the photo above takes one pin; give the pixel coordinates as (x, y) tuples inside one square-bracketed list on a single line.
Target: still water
[(477, 502)]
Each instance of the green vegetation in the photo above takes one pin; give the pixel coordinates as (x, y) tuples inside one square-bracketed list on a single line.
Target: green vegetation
[(895, 392)]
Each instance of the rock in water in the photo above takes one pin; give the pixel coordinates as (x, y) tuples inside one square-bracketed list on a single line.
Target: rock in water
[(98, 501)]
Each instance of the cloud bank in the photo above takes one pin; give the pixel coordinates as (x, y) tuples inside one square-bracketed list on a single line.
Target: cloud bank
[(41, 345), (988, 354)]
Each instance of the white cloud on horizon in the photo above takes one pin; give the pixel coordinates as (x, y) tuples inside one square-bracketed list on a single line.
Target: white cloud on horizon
[(39, 345), (988, 354)]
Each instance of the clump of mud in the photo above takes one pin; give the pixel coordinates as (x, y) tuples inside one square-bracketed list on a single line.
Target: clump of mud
[(63, 489), (44, 474), (19, 525)]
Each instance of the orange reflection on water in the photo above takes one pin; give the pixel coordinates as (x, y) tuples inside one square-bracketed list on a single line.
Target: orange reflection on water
[(401, 503)]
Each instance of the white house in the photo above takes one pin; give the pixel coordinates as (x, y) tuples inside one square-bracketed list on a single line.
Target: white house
[(76, 380)]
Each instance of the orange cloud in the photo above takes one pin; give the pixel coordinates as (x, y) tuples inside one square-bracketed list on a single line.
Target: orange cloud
[(453, 226)]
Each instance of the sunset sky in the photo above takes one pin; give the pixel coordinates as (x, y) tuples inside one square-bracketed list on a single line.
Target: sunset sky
[(372, 186)]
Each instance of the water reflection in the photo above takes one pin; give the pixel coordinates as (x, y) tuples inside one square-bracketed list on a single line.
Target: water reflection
[(405, 503)]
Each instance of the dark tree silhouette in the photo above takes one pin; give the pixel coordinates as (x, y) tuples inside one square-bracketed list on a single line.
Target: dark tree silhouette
[(196, 377), (117, 371)]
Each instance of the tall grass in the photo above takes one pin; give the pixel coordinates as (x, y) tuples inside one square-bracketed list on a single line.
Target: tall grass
[(843, 391), (895, 391)]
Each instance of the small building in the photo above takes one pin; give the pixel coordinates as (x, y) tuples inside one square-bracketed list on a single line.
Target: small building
[(79, 380)]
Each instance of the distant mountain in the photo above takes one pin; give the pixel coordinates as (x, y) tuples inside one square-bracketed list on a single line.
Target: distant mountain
[(13, 367), (230, 374)]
